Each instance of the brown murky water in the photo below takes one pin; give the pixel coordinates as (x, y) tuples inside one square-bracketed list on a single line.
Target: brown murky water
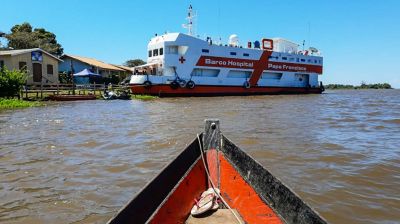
[(79, 162)]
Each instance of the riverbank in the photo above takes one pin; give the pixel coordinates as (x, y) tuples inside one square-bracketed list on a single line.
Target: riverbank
[(362, 86), (15, 103)]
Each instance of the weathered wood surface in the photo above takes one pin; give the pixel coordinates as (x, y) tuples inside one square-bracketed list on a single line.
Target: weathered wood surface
[(220, 216), (212, 135), (277, 195)]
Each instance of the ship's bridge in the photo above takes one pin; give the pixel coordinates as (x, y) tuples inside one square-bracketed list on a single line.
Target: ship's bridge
[(156, 50)]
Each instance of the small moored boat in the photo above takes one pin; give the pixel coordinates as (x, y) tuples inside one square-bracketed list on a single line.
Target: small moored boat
[(214, 177), (71, 97)]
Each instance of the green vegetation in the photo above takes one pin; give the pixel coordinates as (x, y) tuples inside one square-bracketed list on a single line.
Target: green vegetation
[(23, 37), (14, 103), (134, 62), (11, 82), (362, 86), (143, 97)]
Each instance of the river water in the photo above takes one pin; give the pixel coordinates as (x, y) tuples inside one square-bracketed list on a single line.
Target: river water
[(79, 162)]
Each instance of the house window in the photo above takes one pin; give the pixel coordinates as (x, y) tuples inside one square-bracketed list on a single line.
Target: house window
[(161, 51), (246, 54), (22, 66), (233, 53), (150, 54), (1, 64), (205, 51), (155, 52), (50, 69)]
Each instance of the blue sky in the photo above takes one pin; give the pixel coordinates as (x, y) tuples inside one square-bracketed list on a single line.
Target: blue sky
[(359, 39)]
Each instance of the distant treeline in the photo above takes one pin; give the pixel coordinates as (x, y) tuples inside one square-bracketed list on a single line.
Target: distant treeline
[(362, 86)]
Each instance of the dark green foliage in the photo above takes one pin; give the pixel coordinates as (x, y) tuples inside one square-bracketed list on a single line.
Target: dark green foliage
[(362, 86), (11, 82), (114, 79), (22, 37), (134, 62)]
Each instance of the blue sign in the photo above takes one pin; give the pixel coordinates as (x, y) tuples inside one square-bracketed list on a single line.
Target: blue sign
[(37, 56)]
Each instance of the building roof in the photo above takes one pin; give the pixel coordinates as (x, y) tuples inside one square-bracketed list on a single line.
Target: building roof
[(23, 51), (93, 62), (124, 67)]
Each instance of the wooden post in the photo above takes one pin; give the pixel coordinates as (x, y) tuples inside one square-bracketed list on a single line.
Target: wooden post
[(94, 88), (41, 90), (212, 135), (58, 89)]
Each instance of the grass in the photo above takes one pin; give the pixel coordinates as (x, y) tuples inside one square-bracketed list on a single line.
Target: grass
[(15, 103), (143, 97)]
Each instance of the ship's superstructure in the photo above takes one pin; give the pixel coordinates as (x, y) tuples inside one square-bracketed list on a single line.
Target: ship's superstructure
[(183, 65)]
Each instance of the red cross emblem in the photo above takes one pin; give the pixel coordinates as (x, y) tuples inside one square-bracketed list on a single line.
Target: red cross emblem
[(182, 59)]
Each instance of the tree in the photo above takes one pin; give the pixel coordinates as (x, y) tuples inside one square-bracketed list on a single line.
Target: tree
[(2, 37), (22, 37), (134, 62)]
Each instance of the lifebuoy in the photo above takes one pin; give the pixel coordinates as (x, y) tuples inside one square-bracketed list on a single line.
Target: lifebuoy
[(246, 85), (190, 84), (174, 85), (147, 84)]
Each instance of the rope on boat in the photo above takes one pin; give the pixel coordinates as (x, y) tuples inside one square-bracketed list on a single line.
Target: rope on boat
[(212, 184)]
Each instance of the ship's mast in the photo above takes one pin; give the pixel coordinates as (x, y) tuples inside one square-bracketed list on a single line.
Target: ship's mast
[(190, 24)]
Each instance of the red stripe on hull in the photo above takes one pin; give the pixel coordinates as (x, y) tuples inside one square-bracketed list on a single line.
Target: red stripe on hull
[(259, 68), (164, 90)]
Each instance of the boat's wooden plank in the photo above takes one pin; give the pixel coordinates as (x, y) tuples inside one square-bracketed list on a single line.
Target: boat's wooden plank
[(142, 206), (220, 216), (212, 144), (241, 196), (177, 206), (212, 135), (283, 200)]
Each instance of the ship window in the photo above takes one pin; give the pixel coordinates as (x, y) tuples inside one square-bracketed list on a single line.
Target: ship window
[(155, 52), (291, 59), (205, 51), (161, 51), (246, 54), (284, 58), (271, 75), (320, 61), (172, 50), (205, 72), (297, 59), (233, 53), (309, 60), (150, 54), (238, 74), (303, 60)]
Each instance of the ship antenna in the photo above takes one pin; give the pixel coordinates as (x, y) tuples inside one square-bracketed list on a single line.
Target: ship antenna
[(190, 24)]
